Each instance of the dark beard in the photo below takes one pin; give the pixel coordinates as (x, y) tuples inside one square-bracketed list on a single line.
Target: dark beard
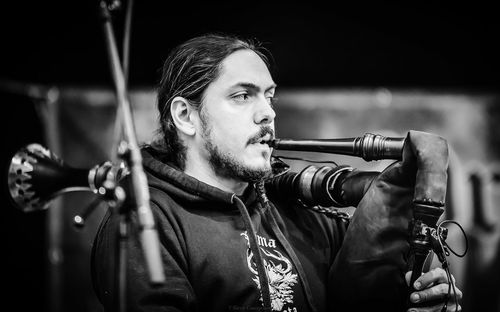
[(225, 165)]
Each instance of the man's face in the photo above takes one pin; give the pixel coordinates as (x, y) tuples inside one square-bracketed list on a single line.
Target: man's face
[(236, 116)]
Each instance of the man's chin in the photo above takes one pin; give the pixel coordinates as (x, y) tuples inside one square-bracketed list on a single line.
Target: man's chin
[(262, 165), (257, 173), (251, 169)]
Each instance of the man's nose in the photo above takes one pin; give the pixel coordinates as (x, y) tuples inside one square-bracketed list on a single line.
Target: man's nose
[(264, 114)]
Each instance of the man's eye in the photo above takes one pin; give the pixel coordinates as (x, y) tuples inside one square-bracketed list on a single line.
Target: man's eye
[(272, 101), (241, 97)]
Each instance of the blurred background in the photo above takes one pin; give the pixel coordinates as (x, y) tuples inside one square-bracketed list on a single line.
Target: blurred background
[(342, 70)]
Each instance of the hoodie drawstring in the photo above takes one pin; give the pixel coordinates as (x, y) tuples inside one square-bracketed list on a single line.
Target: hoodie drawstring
[(254, 247), (259, 187)]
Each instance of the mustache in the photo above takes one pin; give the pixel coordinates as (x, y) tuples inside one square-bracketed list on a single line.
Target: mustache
[(264, 130)]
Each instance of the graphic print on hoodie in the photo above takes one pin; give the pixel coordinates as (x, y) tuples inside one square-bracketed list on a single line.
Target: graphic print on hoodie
[(279, 269)]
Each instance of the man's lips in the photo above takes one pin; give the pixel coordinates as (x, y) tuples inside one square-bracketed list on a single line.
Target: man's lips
[(265, 139), (262, 140), (264, 135)]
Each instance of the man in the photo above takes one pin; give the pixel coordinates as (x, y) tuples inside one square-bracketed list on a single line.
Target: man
[(221, 238)]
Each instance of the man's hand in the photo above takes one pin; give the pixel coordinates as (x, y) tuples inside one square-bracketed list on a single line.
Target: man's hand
[(433, 287)]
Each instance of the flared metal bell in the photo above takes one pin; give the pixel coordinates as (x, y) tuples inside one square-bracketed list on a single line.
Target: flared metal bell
[(36, 176)]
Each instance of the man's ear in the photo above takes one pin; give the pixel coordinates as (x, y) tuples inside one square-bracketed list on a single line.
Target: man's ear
[(182, 115)]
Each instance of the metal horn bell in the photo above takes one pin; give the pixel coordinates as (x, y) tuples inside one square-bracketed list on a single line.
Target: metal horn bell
[(36, 176)]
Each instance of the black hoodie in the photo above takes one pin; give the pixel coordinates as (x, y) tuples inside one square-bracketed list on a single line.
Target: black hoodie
[(218, 248)]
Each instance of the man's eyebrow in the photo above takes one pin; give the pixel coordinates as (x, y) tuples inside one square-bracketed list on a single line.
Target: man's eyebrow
[(252, 86)]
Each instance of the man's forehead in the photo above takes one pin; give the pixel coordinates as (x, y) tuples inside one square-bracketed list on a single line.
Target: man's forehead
[(245, 66)]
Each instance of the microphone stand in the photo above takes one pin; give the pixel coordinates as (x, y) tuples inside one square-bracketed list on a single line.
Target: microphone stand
[(129, 151)]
